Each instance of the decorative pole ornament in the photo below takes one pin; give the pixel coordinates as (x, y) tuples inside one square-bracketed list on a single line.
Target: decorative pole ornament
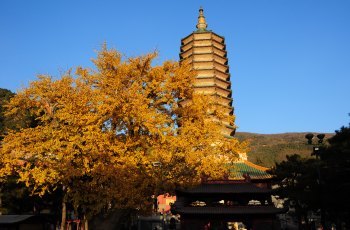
[(202, 24)]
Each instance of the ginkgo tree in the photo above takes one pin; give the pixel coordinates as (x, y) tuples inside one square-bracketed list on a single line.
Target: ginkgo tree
[(101, 130)]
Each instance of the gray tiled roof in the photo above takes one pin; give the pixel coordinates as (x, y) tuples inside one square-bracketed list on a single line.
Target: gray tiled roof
[(11, 219), (252, 209)]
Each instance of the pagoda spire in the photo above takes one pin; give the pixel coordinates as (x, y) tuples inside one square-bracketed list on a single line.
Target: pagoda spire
[(202, 24)]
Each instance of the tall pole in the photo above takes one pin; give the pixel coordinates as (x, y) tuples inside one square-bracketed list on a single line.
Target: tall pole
[(317, 152)]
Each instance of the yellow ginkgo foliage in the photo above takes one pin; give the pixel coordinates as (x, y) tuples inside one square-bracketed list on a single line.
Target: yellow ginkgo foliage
[(116, 134)]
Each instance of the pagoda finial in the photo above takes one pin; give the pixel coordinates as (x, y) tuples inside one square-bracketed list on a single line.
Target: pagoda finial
[(202, 24)]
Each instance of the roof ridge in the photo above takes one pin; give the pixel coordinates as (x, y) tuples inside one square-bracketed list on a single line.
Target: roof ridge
[(256, 166)]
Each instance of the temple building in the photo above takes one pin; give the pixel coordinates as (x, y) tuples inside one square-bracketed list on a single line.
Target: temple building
[(245, 199), (245, 196)]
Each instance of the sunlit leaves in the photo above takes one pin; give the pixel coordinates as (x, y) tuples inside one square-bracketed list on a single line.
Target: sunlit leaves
[(99, 131)]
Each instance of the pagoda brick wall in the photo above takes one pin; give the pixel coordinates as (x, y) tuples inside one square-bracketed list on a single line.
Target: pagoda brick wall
[(206, 52)]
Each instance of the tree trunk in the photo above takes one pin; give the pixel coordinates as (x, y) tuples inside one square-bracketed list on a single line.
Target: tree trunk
[(86, 223), (64, 214), (0, 201)]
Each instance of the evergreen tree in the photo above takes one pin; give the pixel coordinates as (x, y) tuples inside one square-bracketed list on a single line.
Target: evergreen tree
[(335, 176), (319, 185)]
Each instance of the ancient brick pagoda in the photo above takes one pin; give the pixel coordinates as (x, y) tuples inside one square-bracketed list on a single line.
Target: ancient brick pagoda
[(206, 51), (245, 196)]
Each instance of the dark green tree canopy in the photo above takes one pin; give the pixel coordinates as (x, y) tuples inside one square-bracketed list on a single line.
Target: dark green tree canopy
[(338, 151), (319, 184)]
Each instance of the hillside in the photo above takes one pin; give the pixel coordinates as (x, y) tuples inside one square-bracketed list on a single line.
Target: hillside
[(266, 149)]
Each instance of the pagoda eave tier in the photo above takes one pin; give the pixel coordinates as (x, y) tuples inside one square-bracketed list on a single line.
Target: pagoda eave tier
[(203, 44), (211, 80), (228, 131), (216, 86), (206, 69), (213, 73), (197, 50), (200, 35), (222, 99), (197, 65), (206, 57), (225, 102), (233, 210), (212, 89)]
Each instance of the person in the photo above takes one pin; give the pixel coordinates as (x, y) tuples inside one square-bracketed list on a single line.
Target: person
[(172, 224), (207, 226), (155, 204)]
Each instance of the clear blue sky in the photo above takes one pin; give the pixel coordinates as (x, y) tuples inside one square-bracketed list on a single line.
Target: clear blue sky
[(289, 59)]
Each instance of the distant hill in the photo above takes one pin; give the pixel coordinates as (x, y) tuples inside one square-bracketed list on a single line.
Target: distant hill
[(266, 149)]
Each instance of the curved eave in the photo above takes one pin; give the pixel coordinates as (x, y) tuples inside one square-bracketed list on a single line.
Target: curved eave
[(218, 95), (255, 172), (230, 126), (221, 97), (214, 70), (256, 166), (214, 77), (226, 188), (201, 32), (196, 46), (228, 137), (206, 39), (216, 86), (213, 60), (225, 106), (215, 74), (222, 37), (232, 210), (14, 219), (198, 53)]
